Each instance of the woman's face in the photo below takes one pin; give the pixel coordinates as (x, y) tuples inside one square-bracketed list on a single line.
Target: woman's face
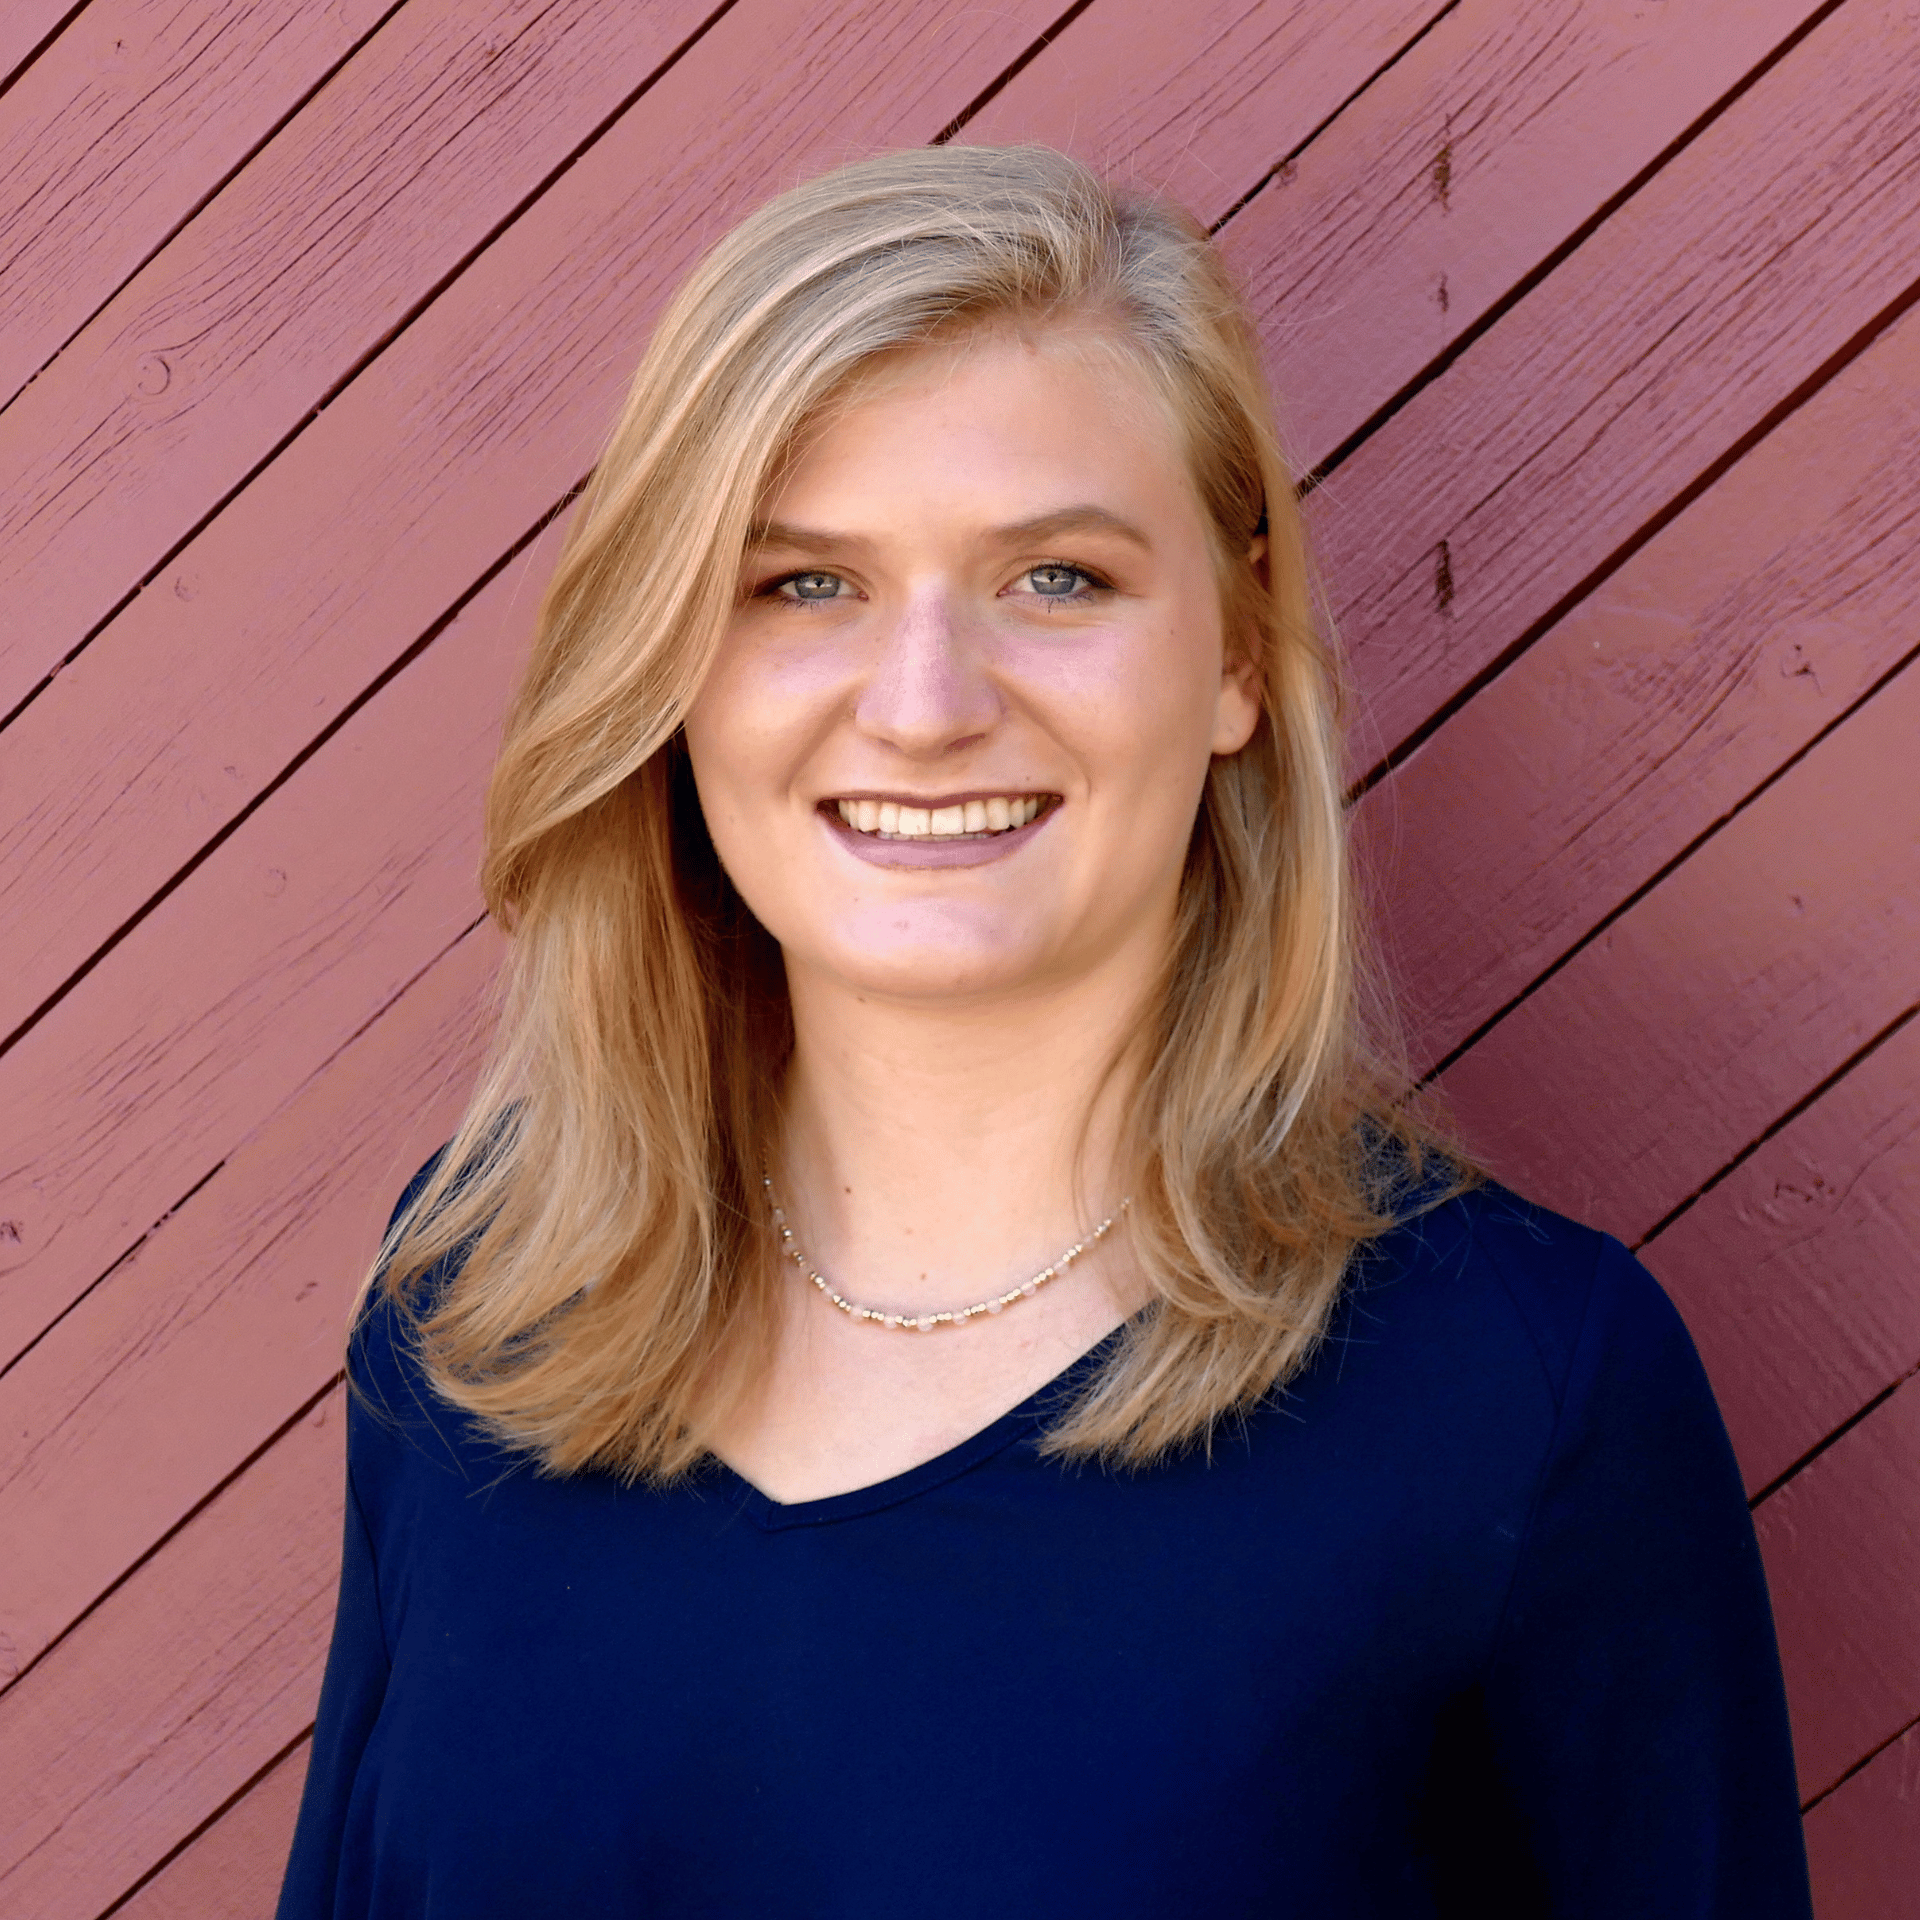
[(957, 733)]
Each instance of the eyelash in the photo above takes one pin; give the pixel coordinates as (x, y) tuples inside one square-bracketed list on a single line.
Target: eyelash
[(1079, 597)]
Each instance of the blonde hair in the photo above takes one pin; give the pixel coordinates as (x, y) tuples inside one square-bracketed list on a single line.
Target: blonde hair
[(598, 1205)]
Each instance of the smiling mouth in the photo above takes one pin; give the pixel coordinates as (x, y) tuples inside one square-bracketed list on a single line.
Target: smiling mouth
[(977, 819)]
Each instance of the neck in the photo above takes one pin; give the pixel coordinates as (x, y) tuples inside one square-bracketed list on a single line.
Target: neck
[(932, 1152)]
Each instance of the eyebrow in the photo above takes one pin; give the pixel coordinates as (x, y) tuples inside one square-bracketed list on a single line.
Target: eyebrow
[(1042, 527)]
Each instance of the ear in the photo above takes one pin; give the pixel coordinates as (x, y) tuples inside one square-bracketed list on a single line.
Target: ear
[(1237, 711)]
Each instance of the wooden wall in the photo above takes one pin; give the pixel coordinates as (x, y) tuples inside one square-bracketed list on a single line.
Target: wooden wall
[(1591, 319)]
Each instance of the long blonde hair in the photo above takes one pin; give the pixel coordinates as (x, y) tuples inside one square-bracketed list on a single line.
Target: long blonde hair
[(597, 1209)]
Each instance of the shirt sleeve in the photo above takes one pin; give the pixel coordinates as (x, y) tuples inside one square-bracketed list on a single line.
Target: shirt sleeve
[(1635, 1701), (350, 1697), (358, 1661)]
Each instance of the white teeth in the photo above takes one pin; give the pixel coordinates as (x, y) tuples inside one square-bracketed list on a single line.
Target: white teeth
[(892, 821)]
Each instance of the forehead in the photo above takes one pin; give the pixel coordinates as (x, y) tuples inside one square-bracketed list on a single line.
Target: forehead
[(1003, 410)]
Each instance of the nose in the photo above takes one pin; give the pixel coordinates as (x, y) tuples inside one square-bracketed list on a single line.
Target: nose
[(929, 691)]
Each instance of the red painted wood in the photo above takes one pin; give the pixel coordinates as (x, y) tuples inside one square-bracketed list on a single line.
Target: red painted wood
[(163, 1703), (121, 1436), (1197, 101), (1458, 172), (24, 24), (120, 128), (223, 1030), (1842, 1544), (1797, 1272), (1740, 269), (447, 449), (232, 1872), (1717, 652), (1863, 1841), (1729, 991), (425, 142), (328, 901), (41, 949)]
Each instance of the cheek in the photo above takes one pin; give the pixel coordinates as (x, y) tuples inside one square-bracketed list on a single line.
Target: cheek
[(760, 709), (1139, 699)]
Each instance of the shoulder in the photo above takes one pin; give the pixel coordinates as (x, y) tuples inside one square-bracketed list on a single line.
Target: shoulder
[(393, 1402), (1488, 1265)]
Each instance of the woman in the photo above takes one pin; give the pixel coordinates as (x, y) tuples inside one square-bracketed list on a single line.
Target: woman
[(937, 1378)]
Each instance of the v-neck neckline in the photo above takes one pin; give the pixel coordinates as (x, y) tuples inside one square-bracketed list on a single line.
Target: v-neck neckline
[(774, 1516)]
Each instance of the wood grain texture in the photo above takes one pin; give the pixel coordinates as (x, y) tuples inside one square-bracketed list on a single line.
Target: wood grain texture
[(328, 901), (1724, 995), (117, 132), (122, 1437), (24, 24), (1200, 101), (1797, 1272), (1842, 1544), (446, 450), (1656, 706), (1863, 1841), (428, 139), (1458, 172), (232, 1871), (1753, 257), (277, 1024), (180, 1687)]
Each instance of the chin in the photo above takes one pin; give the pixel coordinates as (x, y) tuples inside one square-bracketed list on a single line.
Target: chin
[(935, 971)]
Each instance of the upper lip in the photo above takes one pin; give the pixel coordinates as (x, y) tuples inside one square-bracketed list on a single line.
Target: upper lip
[(935, 799)]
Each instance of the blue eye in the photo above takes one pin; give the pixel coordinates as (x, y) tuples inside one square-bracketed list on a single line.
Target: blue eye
[(1054, 582), (811, 586)]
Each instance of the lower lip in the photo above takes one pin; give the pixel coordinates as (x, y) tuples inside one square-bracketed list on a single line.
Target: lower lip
[(933, 853)]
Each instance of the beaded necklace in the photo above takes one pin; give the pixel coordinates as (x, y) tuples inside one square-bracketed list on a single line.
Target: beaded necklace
[(959, 1316)]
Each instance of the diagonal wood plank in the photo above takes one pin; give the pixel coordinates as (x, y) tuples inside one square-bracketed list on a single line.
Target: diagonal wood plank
[(23, 26), (429, 138), (1458, 172), (179, 1814), (1723, 996), (269, 212), (120, 1438), (1842, 1545), (69, 846), (188, 1680), (1863, 1840), (327, 902), (1710, 298), (120, 128), (1796, 1272), (1199, 101), (1747, 625), (446, 451), (232, 1871)]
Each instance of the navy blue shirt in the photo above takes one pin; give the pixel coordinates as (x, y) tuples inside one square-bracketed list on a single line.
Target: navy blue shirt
[(1468, 1620)]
